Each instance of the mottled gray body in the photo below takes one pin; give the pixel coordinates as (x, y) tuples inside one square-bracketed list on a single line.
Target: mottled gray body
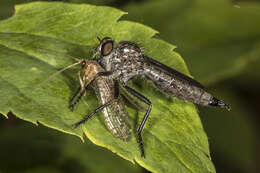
[(127, 61), (115, 115)]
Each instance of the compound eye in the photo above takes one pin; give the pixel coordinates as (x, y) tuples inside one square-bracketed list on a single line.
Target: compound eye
[(83, 64), (107, 47)]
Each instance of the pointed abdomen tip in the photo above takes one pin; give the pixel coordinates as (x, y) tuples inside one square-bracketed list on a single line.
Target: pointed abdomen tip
[(219, 103)]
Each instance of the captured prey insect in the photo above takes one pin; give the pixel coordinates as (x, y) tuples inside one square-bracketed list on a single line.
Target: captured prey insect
[(126, 60), (107, 91)]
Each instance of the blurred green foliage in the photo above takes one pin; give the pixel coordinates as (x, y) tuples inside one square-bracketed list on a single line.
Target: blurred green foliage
[(219, 41)]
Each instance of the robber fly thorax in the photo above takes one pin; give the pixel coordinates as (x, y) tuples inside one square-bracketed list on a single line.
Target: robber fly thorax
[(126, 60)]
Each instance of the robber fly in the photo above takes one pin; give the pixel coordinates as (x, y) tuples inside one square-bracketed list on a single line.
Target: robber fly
[(126, 60), (107, 91)]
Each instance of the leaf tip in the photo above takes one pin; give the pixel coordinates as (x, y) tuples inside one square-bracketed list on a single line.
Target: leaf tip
[(6, 116)]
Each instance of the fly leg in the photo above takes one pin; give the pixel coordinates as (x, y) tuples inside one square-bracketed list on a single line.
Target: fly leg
[(104, 73), (140, 129), (76, 93), (116, 95), (81, 91)]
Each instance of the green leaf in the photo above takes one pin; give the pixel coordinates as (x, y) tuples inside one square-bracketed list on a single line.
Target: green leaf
[(217, 39), (34, 44), (46, 150)]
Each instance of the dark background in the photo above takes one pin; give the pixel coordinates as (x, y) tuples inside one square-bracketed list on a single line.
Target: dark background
[(220, 44)]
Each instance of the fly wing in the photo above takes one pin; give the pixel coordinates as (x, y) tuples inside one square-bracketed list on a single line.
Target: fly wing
[(172, 72), (175, 83)]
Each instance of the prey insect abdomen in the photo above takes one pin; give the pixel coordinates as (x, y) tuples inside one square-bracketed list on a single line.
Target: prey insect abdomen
[(176, 83), (115, 115)]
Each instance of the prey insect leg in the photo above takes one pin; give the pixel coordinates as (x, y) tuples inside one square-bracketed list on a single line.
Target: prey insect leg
[(82, 85), (72, 105), (76, 93), (116, 95), (92, 113), (81, 90), (140, 129)]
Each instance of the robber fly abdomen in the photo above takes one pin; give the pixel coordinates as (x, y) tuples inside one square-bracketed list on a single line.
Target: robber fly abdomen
[(107, 90), (179, 85)]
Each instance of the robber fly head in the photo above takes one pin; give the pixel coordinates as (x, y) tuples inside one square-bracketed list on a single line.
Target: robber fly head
[(105, 46)]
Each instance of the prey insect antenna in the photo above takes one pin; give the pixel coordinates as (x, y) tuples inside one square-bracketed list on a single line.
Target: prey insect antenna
[(60, 71)]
